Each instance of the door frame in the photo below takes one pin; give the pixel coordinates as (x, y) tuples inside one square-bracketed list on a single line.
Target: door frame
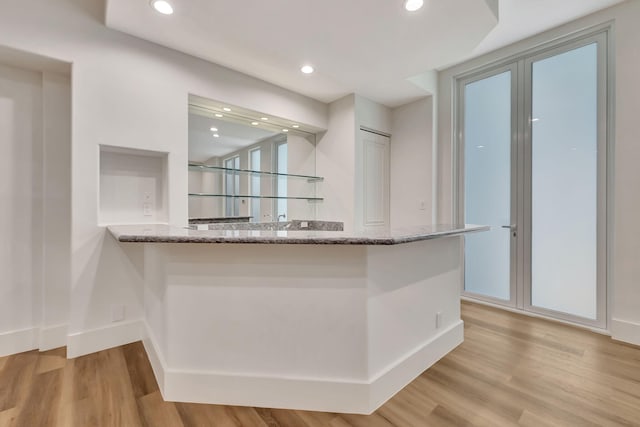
[(600, 39), (378, 138), (459, 177), (521, 279)]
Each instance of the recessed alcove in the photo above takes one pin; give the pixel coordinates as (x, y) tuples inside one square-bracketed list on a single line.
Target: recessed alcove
[(133, 186)]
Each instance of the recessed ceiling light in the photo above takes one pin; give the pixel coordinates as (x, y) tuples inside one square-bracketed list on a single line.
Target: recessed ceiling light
[(214, 129), (255, 123), (295, 126), (227, 109), (285, 130), (162, 6), (264, 118), (307, 69), (219, 115), (413, 5), (215, 135)]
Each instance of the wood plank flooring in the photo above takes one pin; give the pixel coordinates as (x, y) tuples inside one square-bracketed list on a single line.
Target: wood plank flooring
[(511, 370)]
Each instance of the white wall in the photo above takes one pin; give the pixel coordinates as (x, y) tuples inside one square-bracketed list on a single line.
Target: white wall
[(411, 164), (130, 93), (335, 161), (625, 245), (372, 115), (411, 129), (339, 157), (301, 160), (56, 89), (20, 201), (34, 208), (339, 160)]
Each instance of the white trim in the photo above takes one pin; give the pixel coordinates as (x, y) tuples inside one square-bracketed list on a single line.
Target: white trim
[(626, 331), (267, 392), (385, 385), (51, 337), (315, 394), (13, 342), (377, 132), (610, 181), (158, 363), (91, 341)]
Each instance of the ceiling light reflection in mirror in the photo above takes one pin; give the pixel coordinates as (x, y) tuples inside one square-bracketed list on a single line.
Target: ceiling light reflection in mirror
[(307, 69), (162, 6), (236, 129), (413, 5)]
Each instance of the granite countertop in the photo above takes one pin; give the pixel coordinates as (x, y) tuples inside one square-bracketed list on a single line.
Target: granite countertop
[(161, 233)]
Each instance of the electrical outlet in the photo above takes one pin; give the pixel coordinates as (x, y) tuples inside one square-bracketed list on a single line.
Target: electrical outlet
[(117, 313), (438, 320), (304, 224), (147, 203)]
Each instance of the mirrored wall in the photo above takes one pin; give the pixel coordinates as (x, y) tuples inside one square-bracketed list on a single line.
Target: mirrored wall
[(247, 166)]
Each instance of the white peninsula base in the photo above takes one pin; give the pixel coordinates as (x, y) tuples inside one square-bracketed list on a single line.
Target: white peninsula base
[(324, 327)]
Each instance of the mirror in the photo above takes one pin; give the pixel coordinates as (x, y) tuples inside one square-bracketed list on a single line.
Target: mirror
[(247, 166)]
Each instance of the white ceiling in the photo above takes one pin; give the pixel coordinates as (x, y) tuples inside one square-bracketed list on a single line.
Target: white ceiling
[(369, 47)]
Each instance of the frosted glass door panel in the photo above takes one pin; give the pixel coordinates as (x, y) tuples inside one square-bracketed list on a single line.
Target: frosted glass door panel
[(564, 182), (487, 184)]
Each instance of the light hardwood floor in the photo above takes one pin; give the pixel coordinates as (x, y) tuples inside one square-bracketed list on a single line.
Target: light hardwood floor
[(511, 370)]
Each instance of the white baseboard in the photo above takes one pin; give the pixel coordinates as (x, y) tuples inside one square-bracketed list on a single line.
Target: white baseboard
[(314, 394), (386, 384), (267, 392), (91, 341), (13, 342), (158, 364), (623, 330), (53, 337)]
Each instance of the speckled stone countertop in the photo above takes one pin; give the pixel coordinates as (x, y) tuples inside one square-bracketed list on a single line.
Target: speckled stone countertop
[(152, 233)]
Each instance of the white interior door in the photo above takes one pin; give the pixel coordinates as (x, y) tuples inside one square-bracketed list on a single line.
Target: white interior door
[(375, 171)]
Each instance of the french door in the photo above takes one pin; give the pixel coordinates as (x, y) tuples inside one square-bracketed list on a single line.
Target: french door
[(532, 164)]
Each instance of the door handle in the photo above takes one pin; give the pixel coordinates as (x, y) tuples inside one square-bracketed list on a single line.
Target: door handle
[(511, 227)]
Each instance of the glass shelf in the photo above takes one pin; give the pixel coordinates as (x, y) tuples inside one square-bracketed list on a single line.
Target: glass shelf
[(309, 178), (237, 196)]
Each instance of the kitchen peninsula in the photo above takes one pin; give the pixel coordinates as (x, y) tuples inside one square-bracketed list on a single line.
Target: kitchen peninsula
[(318, 320)]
